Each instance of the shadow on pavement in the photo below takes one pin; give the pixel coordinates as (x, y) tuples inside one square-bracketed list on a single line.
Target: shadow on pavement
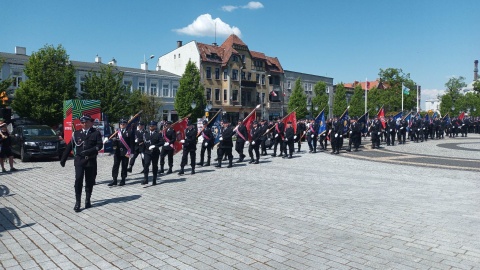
[(9, 220), (5, 191), (115, 200)]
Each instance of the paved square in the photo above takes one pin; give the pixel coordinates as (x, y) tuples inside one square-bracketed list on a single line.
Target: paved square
[(315, 211)]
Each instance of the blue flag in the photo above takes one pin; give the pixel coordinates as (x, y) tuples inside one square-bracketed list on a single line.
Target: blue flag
[(216, 128), (133, 122), (427, 117), (320, 121), (364, 122), (397, 117), (435, 115), (345, 120), (447, 118)]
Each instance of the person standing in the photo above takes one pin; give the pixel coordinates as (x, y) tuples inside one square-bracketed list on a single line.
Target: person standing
[(312, 136), (85, 144), (189, 147), (402, 132), (289, 141), (256, 134), (169, 136), (264, 128), (207, 144), (152, 140), (301, 128), (278, 133), (138, 147), (375, 130), (225, 145), (391, 131), (6, 147), (242, 137), (121, 150), (355, 135)]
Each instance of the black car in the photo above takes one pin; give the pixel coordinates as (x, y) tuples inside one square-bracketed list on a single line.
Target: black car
[(30, 141)]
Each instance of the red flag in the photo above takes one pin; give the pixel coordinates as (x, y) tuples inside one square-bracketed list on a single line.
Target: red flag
[(179, 128), (248, 122), (461, 116), (273, 93), (381, 115), (292, 117)]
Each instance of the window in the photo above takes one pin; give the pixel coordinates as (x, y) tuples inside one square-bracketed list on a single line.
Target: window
[(243, 58), (217, 73), (263, 79), (209, 94), (209, 72), (153, 89), (178, 55), (235, 75), (249, 96), (305, 88), (217, 94), (165, 90), (141, 87), (127, 84), (249, 76), (258, 78), (235, 95), (225, 97), (225, 74), (17, 78), (82, 81), (235, 58), (174, 90), (289, 85), (243, 76)]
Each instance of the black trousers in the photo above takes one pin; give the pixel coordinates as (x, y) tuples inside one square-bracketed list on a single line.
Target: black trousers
[(117, 161), (168, 153), (276, 142), (401, 136), (291, 147), (312, 143), (264, 147), (208, 149), (225, 151), (375, 139), (254, 148), (239, 148), (323, 141), (392, 137), (193, 155), (89, 174), (136, 153), (153, 159)]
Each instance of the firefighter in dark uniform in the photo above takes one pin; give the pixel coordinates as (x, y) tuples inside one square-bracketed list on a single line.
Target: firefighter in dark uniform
[(152, 140), (242, 137), (324, 135), (169, 136), (256, 133), (301, 128), (375, 130), (264, 127), (225, 145), (312, 136), (354, 135), (121, 149), (207, 144), (139, 146), (278, 131), (289, 140), (402, 131), (189, 147), (85, 143), (391, 130)]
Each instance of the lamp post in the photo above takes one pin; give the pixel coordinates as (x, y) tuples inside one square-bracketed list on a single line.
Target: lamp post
[(146, 69), (208, 107)]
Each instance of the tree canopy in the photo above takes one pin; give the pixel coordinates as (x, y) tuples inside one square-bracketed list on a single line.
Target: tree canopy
[(320, 99), (298, 100), (189, 90), (357, 102), (339, 100)]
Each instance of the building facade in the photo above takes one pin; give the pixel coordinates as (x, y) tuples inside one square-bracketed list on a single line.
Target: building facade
[(235, 78), (160, 84)]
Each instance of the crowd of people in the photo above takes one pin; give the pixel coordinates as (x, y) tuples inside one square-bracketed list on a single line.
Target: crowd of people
[(153, 145)]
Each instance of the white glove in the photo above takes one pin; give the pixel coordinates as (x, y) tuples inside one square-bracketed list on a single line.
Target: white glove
[(247, 142), (286, 139), (304, 132), (463, 125), (312, 136), (295, 137), (253, 142), (276, 135), (182, 141), (166, 144), (341, 136), (151, 147), (418, 129), (379, 133), (390, 130), (401, 128), (423, 128), (206, 144), (136, 140), (350, 132), (105, 139), (336, 135), (221, 139)]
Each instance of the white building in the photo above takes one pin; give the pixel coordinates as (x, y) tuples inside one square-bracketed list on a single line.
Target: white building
[(432, 104)]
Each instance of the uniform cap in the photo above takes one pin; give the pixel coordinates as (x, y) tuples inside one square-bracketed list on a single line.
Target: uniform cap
[(152, 123), (85, 118), (168, 122), (205, 121), (123, 121)]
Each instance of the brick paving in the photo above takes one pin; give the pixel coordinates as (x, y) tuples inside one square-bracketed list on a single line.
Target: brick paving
[(316, 211)]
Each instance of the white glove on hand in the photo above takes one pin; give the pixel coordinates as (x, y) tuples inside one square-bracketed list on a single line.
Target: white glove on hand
[(221, 139), (304, 132), (105, 139), (206, 144), (151, 147), (182, 141), (401, 128), (136, 140), (336, 135), (166, 144), (390, 130), (295, 137), (350, 132), (253, 142), (379, 133), (247, 142), (312, 136), (286, 139), (418, 129), (276, 135), (341, 136)]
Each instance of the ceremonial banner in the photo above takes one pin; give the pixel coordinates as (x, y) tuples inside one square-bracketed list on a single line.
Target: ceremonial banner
[(461, 116), (216, 128), (397, 118), (363, 121), (320, 121), (381, 116), (293, 118), (73, 109), (345, 120), (179, 128), (248, 122)]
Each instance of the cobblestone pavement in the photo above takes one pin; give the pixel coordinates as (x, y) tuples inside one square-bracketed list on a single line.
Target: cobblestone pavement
[(315, 211)]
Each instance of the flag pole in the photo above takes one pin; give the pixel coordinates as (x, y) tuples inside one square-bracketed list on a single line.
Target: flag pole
[(131, 119), (417, 101), (402, 96), (211, 119), (320, 112), (366, 94)]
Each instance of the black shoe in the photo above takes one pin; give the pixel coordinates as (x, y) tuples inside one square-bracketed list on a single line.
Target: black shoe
[(161, 171), (122, 182), (129, 169), (113, 183), (314, 151), (169, 171), (218, 166), (200, 164), (88, 204), (144, 182), (4, 170), (289, 157), (251, 161), (76, 208), (256, 162), (216, 159), (274, 155), (181, 172), (193, 171), (13, 169), (207, 164), (142, 171)]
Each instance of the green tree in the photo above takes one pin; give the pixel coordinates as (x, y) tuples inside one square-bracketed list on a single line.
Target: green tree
[(391, 97), (190, 90), (374, 100), (357, 102), (320, 99), (107, 86), (298, 100), (476, 86), (51, 80), (339, 100), (453, 87), (446, 103), (149, 105)]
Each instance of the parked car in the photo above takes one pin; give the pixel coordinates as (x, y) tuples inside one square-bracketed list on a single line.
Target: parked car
[(32, 141)]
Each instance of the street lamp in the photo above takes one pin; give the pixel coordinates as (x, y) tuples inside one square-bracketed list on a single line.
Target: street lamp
[(146, 69)]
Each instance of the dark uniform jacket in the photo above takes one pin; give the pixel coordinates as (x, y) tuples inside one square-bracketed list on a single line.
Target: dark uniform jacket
[(289, 134), (227, 134), (169, 136), (256, 134), (190, 139), (207, 136), (138, 137), (243, 131), (85, 147), (118, 147), (312, 130), (301, 127), (150, 139), (356, 130), (279, 128), (391, 125)]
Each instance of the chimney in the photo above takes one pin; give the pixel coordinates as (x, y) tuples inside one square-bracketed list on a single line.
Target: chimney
[(113, 62), (98, 59), (475, 71), (214, 44), (179, 43), (20, 50), (144, 66)]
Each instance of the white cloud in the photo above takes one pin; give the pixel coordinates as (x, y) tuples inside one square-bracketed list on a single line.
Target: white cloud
[(431, 93), (204, 26), (250, 5)]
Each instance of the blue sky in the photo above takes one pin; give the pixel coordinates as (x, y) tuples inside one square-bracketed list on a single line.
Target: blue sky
[(344, 39)]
